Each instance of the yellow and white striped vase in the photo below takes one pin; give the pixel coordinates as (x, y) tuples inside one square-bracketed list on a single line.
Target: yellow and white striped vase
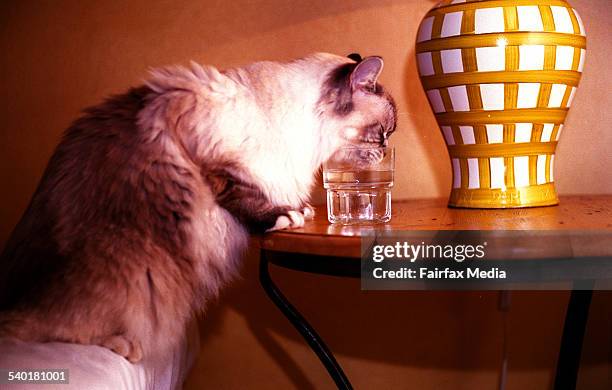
[(500, 76)]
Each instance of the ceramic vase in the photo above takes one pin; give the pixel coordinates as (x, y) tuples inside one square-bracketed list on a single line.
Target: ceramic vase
[(500, 76)]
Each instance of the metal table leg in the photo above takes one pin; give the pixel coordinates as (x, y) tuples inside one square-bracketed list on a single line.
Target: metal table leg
[(571, 341), (312, 338)]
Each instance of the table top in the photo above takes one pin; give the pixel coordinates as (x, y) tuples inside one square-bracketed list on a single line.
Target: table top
[(319, 237)]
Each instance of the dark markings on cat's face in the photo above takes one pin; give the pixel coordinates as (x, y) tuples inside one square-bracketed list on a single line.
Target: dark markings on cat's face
[(337, 89), (365, 112), (380, 130), (347, 78)]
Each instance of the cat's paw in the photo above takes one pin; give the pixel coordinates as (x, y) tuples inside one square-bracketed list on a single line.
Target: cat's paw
[(291, 220), (121, 345), (308, 212)]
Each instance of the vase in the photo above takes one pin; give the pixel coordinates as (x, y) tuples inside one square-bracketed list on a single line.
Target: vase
[(500, 76)]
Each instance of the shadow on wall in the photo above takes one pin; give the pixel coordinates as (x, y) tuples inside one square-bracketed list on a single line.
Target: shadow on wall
[(431, 330), (425, 125)]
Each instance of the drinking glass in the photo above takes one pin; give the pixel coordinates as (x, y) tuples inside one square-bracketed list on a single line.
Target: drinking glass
[(358, 181)]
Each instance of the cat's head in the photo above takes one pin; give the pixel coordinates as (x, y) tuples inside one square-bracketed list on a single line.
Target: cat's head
[(356, 108)]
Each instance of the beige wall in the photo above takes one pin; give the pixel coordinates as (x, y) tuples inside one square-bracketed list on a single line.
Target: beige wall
[(59, 57)]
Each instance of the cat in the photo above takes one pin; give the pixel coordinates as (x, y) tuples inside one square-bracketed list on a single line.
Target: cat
[(145, 208)]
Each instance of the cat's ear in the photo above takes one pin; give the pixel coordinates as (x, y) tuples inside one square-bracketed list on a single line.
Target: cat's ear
[(366, 73), (355, 57)]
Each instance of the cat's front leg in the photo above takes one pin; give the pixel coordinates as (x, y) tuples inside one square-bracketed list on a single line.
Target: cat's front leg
[(247, 202)]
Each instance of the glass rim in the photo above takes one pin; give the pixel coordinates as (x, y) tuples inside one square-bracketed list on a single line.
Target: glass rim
[(387, 160)]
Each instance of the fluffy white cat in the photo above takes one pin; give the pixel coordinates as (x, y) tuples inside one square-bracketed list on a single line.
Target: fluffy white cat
[(144, 210)]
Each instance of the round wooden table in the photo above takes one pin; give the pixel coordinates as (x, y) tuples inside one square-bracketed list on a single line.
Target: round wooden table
[(322, 248)]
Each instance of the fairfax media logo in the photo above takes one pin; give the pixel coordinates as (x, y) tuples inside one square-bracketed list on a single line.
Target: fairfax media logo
[(437, 273)]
